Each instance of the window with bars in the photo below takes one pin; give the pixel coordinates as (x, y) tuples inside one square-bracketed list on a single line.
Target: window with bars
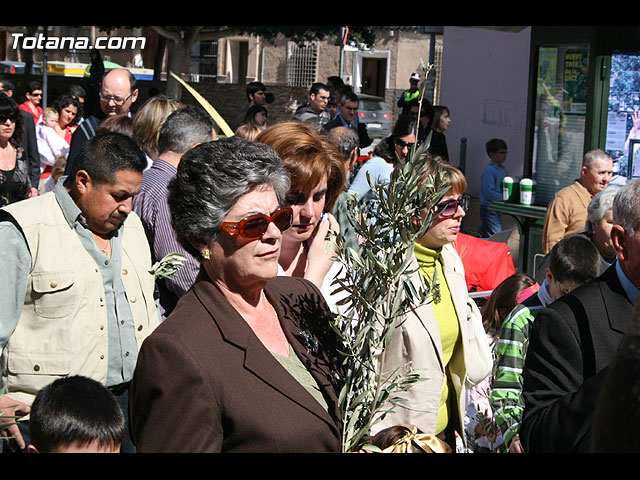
[(204, 62), (302, 64)]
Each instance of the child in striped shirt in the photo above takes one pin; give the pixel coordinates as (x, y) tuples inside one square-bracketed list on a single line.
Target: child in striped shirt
[(573, 261)]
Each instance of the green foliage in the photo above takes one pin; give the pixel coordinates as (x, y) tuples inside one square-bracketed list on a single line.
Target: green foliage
[(379, 290), (168, 266), (300, 34)]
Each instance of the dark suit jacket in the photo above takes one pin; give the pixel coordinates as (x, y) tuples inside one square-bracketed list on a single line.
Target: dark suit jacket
[(572, 343), (30, 147), (205, 383), (85, 131), (363, 136)]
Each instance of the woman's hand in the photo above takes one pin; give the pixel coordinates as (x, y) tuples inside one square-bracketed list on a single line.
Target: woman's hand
[(635, 118), (321, 249)]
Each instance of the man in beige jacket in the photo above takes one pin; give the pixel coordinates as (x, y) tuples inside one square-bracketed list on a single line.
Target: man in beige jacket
[(567, 212), (76, 291)]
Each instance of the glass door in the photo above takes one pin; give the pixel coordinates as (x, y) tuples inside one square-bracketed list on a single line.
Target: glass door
[(560, 117), (623, 116)]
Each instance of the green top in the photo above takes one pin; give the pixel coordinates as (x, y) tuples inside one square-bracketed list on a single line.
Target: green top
[(297, 370), (505, 394), (431, 262)]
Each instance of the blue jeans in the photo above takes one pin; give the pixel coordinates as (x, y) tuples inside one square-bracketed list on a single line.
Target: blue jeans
[(490, 222)]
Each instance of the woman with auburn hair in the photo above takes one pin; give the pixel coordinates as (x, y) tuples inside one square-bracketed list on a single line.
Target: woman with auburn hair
[(443, 339), (317, 178)]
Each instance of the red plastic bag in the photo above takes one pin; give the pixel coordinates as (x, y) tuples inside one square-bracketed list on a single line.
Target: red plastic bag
[(486, 263)]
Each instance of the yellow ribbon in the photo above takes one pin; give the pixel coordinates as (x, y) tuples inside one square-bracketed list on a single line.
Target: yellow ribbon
[(411, 439)]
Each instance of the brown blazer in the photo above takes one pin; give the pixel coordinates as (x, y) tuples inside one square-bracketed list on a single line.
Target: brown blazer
[(205, 383)]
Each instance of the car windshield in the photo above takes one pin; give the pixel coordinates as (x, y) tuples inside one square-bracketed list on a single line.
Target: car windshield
[(371, 104)]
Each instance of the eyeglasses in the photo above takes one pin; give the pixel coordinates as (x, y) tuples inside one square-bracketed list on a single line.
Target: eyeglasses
[(255, 226), (448, 208), (36, 94), (116, 100), (4, 118)]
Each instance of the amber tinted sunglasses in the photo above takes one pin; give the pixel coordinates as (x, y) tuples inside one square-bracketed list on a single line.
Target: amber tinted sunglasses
[(255, 226)]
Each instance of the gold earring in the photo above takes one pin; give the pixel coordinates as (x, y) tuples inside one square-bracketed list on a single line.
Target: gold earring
[(206, 254)]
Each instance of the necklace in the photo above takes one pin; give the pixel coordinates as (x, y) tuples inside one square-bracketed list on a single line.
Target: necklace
[(106, 249)]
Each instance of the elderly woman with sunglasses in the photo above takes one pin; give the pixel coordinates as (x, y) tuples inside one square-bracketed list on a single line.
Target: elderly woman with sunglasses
[(244, 362), (443, 338)]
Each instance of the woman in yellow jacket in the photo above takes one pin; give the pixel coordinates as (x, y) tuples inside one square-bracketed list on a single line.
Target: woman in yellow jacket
[(443, 338)]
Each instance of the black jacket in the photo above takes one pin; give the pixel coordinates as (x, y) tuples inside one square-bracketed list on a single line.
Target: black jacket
[(572, 343), (363, 136)]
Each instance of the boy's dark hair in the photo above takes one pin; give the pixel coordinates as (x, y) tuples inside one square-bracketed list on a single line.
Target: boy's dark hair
[(495, 144), (75, 410), (574, 258)]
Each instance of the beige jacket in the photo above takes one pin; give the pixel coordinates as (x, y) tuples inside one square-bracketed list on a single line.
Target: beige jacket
[(566, 215), (63, 326), (417, 343)]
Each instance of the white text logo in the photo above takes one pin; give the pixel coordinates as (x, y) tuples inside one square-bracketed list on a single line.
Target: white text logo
[(79, 43)]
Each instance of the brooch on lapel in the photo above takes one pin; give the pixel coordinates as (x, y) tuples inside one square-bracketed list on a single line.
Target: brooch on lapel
[(435, 294), (308, 341)]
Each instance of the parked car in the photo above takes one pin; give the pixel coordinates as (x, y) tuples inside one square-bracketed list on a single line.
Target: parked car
[(373, 112), (12, 67)]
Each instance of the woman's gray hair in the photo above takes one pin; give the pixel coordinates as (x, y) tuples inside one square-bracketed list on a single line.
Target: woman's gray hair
[(210, 179), (626, 207), (600, 205)]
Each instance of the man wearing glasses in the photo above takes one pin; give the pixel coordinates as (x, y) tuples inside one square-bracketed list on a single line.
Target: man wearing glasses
[(347, 117), (117, 94)]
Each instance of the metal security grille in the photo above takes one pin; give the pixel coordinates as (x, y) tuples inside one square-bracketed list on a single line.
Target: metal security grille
[(302, 64), (204, 62)]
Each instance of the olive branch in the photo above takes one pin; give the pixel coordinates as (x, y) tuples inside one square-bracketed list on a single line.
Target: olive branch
[(379, 292)]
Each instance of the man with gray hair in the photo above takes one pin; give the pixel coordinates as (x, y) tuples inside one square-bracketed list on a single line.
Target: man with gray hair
[(181, 131), (346, 140), (574, 340), (567, 212)]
